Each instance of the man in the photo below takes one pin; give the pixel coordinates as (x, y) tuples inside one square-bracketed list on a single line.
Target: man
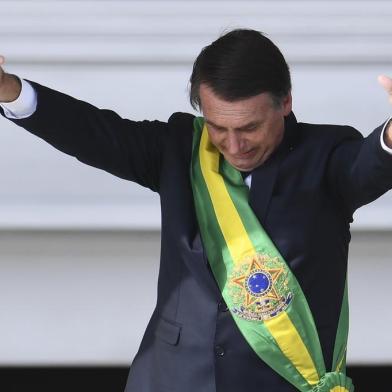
[(251, 290)]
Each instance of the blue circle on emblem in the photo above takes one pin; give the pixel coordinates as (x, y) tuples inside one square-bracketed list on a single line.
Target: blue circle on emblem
[(258, 283)]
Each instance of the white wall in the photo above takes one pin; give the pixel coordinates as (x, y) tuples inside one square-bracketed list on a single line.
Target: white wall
[(66, 289), (136, 58)]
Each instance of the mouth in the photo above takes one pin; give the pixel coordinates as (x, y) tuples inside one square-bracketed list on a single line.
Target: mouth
[(244, 155)]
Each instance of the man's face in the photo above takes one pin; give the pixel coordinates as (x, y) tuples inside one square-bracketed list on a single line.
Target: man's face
[(247, 131)]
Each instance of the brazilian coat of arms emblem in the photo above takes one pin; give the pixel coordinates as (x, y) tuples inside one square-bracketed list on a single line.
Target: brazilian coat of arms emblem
[(258, 288)]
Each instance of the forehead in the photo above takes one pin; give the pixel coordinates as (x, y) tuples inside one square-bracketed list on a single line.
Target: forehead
[(220, 112)]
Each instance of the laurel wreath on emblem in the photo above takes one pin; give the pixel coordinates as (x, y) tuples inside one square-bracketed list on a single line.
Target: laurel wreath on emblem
[(258, 288)]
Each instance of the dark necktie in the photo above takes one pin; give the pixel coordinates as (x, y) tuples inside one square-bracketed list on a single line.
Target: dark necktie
[(245, 174)]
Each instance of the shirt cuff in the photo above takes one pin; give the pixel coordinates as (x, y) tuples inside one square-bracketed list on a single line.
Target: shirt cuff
[(23, 106), (383, 145)]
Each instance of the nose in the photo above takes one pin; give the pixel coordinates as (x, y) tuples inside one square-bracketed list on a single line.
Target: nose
[(233, 143)]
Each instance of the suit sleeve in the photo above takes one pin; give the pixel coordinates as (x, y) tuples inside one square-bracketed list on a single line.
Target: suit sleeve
[(131, 150), (359, 169)]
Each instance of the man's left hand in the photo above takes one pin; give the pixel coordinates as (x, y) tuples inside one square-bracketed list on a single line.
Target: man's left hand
[(386, 82)]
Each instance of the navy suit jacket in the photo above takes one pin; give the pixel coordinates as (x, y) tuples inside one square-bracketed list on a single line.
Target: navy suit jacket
[(304, 196)]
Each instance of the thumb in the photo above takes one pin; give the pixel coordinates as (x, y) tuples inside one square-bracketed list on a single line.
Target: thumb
[(2, 60)]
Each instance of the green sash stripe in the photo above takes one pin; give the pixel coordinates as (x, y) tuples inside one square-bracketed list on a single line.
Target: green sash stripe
[(277, 323), (259, 338), (339, 353), (273, 358)]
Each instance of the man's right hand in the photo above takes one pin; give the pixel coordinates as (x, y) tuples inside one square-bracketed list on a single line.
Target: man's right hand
[(10, 85)]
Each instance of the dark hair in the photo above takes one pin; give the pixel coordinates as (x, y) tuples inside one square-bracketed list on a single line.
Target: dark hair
[(240, 64)]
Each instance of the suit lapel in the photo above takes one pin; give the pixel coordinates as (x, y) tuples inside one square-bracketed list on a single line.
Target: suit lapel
[(264, 176)]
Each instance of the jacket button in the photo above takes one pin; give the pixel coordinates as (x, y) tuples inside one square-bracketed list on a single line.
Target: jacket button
[(219, 351), (222, 307)]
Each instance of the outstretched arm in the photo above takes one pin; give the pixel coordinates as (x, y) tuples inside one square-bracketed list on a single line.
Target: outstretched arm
[(360, 169), (98, 137)]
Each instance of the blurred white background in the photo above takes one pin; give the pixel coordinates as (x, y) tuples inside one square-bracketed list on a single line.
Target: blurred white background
[(76, 243)]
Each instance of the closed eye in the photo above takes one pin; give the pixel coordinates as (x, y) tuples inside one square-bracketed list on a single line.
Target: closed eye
[(250, 129)]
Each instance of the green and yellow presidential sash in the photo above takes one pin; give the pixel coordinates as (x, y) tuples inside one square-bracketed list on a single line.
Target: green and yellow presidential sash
[(263, 295)]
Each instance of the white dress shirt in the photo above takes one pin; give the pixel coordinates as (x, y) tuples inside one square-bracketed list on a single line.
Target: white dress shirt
[(23, 106)]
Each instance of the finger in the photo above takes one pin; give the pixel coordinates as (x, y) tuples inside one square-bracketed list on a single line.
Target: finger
[(2, 60)]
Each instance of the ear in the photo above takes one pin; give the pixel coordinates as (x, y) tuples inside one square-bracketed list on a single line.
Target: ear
[(287, 104)]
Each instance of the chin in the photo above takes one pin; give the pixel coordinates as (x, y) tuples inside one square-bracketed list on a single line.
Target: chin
[(243, 167)]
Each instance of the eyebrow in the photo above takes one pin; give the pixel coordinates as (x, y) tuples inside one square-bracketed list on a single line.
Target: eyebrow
[(246, 126)]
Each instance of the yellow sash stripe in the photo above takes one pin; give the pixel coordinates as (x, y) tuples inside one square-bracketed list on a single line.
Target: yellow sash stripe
[(292, 346), (230, 223), (240, 246)]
